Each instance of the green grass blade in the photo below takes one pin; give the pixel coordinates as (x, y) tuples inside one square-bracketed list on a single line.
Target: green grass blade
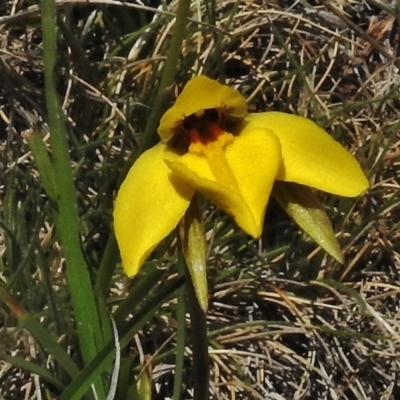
[(107, 266), (43, 162), (26, 365), (67, 221), (82, 382), (43, 337), (138, 293), (169, 73)]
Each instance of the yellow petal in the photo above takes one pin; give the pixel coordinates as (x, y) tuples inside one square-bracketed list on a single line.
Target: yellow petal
[(310, 156), (148, 206), (253, 159), (201, 93)]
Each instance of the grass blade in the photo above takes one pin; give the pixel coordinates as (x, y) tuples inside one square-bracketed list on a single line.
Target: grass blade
[(67, 220)]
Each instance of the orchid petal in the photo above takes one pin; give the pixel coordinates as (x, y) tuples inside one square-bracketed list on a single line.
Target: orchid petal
[(149, 205), (310, 156), (201, 93), (253, 158)]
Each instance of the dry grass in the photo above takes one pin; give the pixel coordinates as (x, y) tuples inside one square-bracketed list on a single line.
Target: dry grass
[(286, 321)]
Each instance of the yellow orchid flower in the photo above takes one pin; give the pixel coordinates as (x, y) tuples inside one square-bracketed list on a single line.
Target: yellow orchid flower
[(209, 143)]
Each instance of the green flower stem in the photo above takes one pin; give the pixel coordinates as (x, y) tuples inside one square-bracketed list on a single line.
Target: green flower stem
[(67, 219), (169, 73), (201, 364), (193, 250), (180, 334)]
